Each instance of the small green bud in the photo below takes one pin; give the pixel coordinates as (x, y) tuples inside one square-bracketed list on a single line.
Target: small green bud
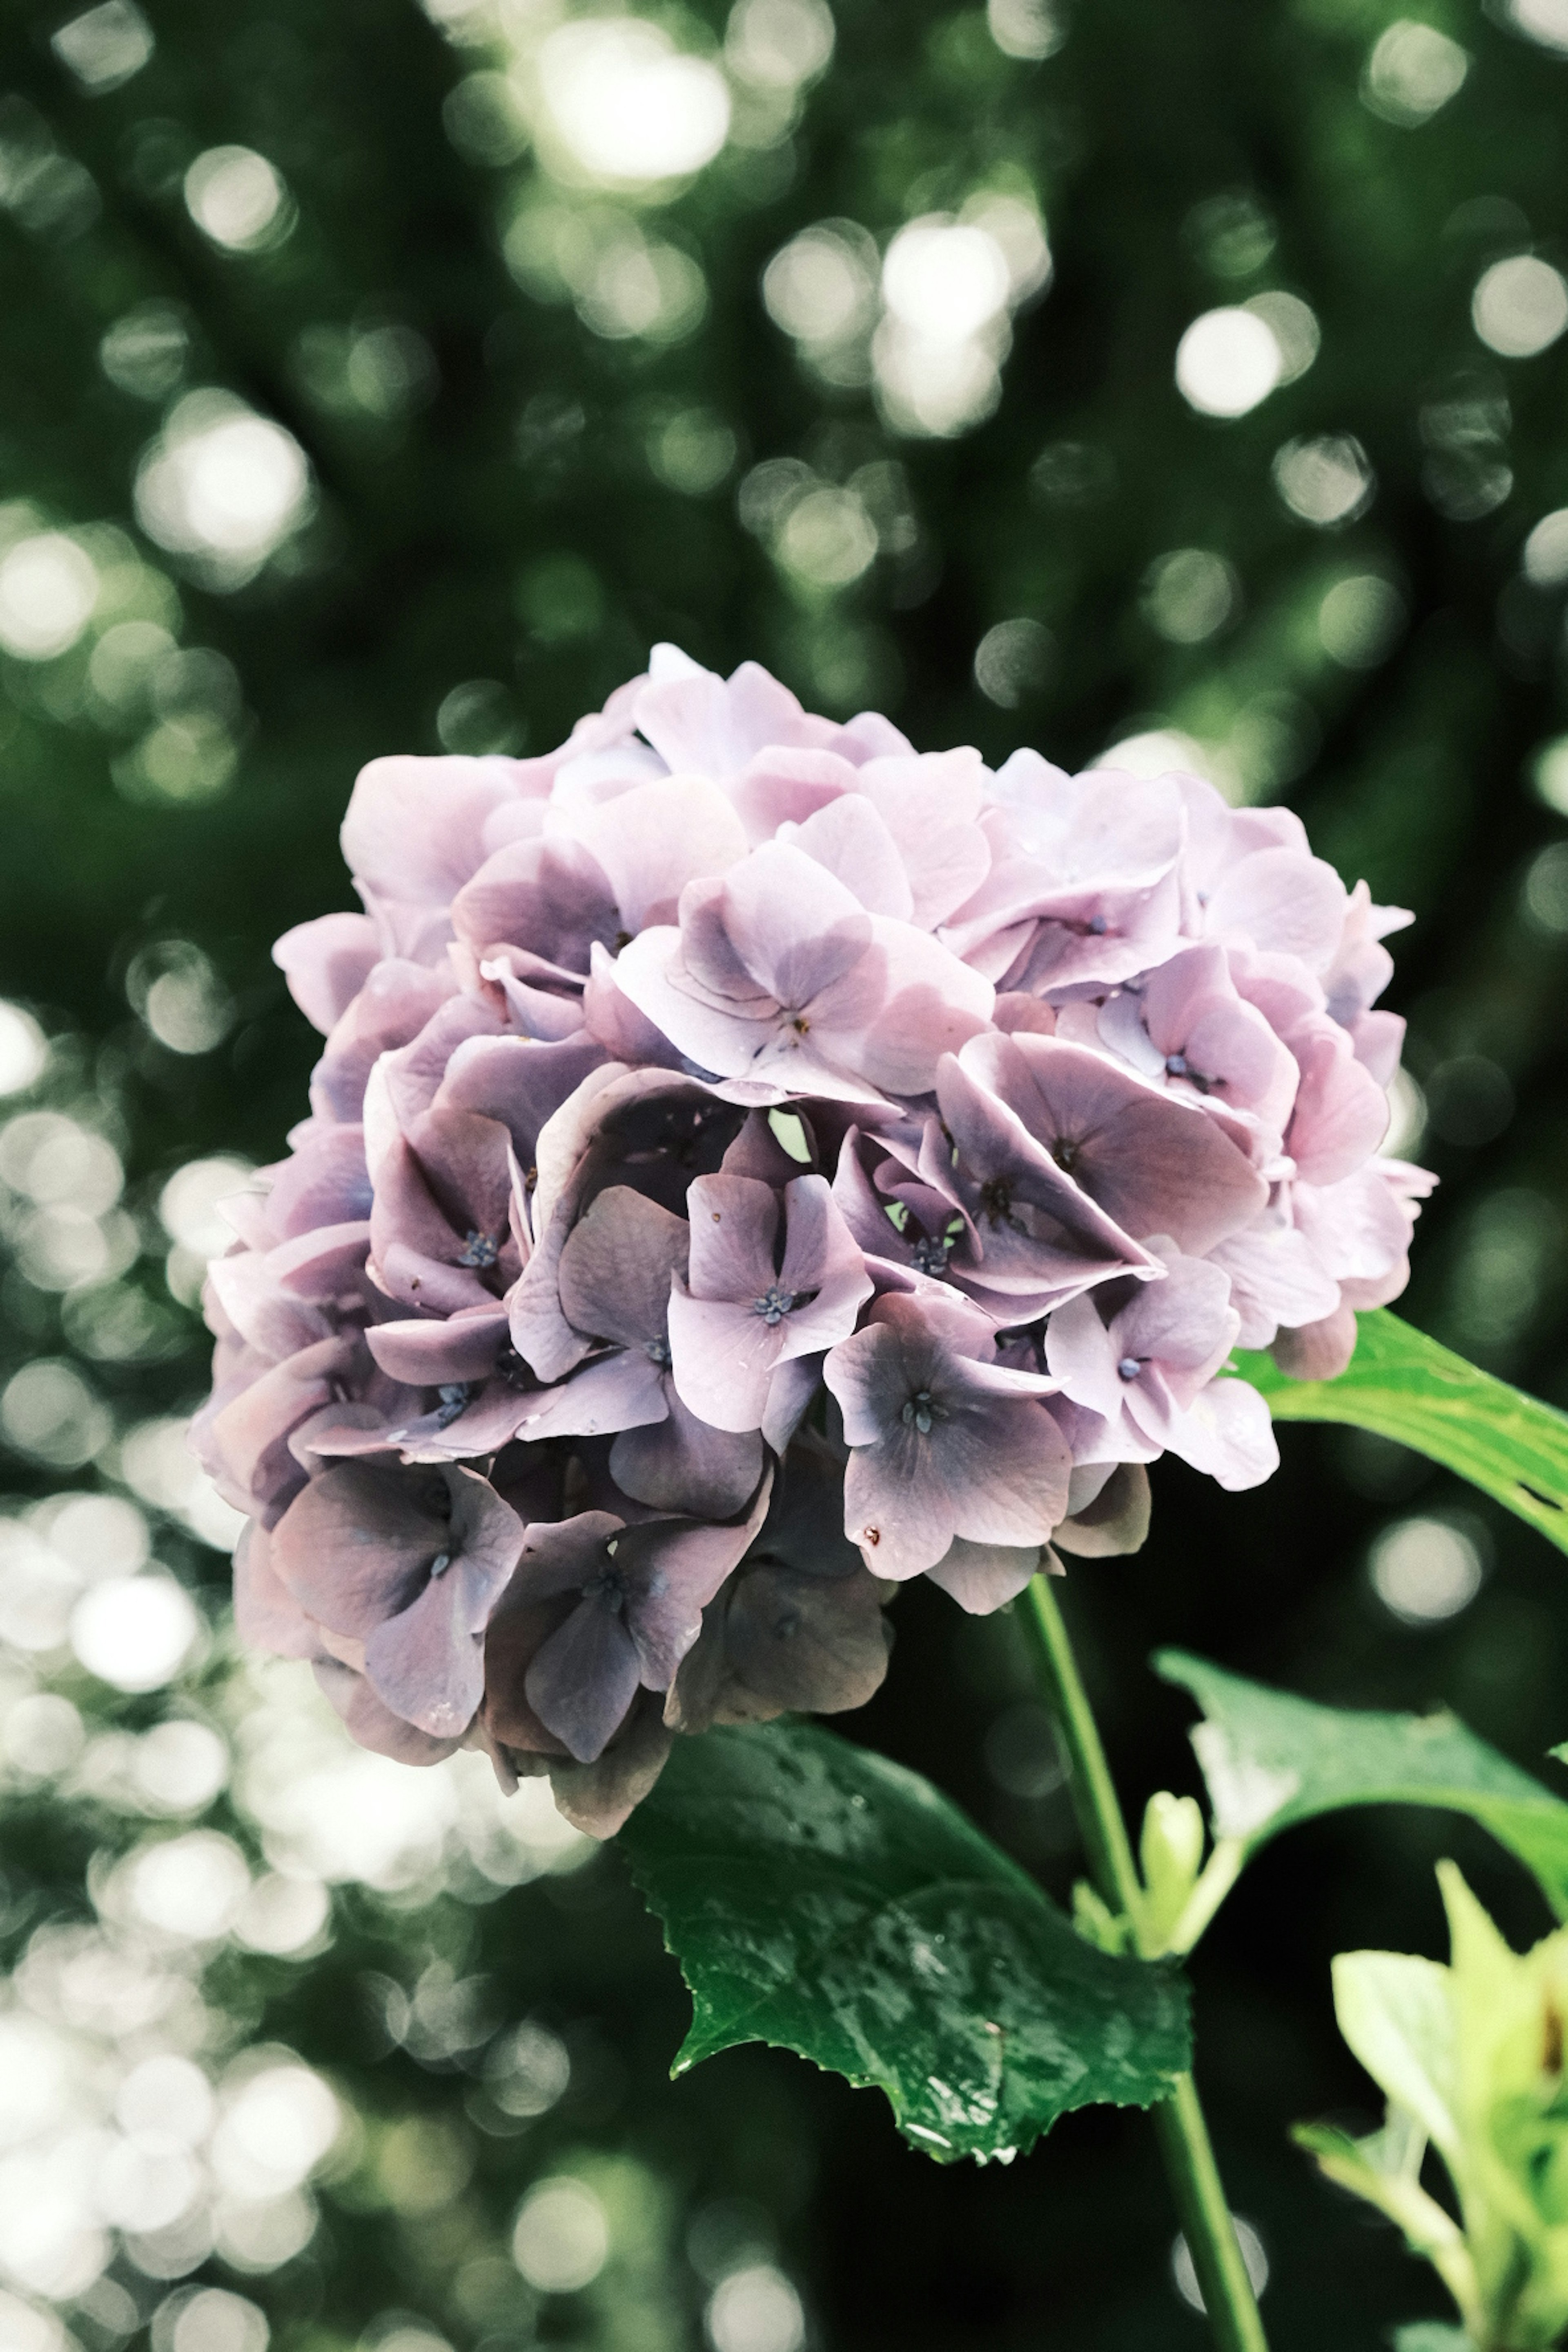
[(1172, 1851)]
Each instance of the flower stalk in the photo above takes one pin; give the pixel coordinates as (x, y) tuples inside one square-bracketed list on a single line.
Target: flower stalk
[(1184, 2144)]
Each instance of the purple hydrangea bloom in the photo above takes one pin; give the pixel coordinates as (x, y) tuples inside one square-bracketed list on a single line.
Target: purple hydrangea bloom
[(752, 1163)]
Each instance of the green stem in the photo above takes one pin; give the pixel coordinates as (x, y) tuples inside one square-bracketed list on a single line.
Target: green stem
[(1184, 2137)]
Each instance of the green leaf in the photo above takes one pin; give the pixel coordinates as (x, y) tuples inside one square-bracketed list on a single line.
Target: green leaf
[(1403, 1385), (1272, 1760), (826, 1901), (1395, 2011), (1431, 2335)]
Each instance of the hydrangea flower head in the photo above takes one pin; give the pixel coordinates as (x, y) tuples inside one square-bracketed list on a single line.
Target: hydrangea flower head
[(753, 1164)]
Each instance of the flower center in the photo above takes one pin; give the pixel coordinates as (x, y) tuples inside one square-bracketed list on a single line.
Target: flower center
[(1176, 1063), (1065, 1154), (931, 1254), (606, 1585), (511, 1367), (657, 1351), (996, 1199), (774, 1304), (451, 1398), (922, 1411), (1130, 1366), (440, 1564), (478, 1250)]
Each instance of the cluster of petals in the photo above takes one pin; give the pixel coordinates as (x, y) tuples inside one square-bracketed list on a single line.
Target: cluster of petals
[(751, 1165)]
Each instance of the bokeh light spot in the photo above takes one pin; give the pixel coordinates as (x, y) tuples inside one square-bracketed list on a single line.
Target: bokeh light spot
[(755, 2310), (1412, 70), (1520, 306), (1360, 619), (1424, 1570), (23, 1049), (1013, 661), (49, 587), (1190, 595), (238, 199), (561, 2240), (105, 47), (1326, 478), (134, 1632), (1226, 361), (626, 105)]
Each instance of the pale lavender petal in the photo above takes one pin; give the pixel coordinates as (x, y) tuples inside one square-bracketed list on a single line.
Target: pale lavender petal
[(931, 803), (371, 1724), (849, 840), (791, 1392), (654, 839), (428, 1354), (265, 1615), (794, 928), (564, 1556), (1320, 1350), (623, 1390), (1115, 1521), (1186, 1324), (821, 1257), (519, 1081), (1229, 1434), (617, 1266), (1292, 903), (550, 895), (685, 1464), (904, 1005), (1155, 1165), (428, 1662), (323, 1182), (1341, 1113), (786, 787), (1082, 1355), (326, 963), (584, 1678), (597, 1797), (722, 1358), (415, 828), (734, 1226), (984, 1577), (1274, 1279)]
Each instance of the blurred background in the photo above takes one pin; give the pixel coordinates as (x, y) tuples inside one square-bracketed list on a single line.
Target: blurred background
[(1187, 382)]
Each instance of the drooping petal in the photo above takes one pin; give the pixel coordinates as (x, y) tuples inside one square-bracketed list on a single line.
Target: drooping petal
[(427, 1663), (371, 1724), (984, 1577), (584, 1678)]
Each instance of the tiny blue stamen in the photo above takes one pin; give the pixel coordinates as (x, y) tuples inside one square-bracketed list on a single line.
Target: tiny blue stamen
[(922, 1412), (440, 1564), (773, 1305), (1178, 1065), (657, 1351), (1130, 1366), (451, 1398), (479, 1250), (1098, 925)]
